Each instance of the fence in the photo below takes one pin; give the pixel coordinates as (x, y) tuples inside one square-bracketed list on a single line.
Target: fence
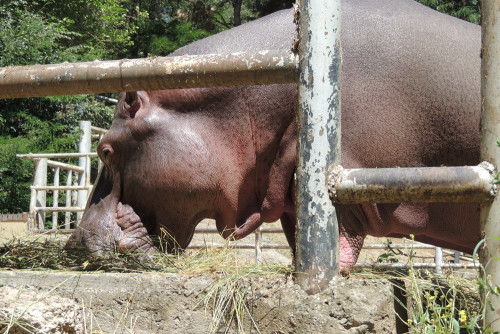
[(319, 95), (13, 217), (76, 189), (438, 265)]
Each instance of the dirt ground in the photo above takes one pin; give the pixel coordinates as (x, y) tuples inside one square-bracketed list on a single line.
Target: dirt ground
[(11, 229), (165, 303)]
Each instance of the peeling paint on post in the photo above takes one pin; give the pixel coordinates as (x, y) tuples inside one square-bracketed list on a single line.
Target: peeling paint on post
[(490, 127), (317, 253)]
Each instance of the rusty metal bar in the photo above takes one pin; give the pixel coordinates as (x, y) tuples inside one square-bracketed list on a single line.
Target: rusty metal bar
[(244, 68), (490, 127), (317, 252), (424, 184)]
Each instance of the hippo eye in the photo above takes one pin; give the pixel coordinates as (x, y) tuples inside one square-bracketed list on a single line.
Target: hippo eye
[(131, 104)]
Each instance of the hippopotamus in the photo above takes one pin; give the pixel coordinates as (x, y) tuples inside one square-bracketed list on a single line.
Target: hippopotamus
[(410, 98)]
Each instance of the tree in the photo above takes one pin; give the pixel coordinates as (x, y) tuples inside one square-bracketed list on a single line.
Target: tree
[(467, 10)]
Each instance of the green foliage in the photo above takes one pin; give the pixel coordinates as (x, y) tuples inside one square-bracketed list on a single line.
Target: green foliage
[(15, 176), (26, 38), (464, 9)]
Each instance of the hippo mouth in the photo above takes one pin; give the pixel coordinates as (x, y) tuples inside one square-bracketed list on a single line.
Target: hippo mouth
[(108, 225)]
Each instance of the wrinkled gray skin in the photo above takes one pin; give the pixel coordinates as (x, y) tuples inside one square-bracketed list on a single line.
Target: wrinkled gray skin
[(410, 97)]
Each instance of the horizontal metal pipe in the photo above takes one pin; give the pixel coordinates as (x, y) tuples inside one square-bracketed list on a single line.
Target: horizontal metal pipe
[(398, 246), (106, 99), (59, 188), (98, 130), (239, 246), (62, 165), (263, 230), (52, 231), (55, 155), (416, 265), (272, 230), (244, 68), (59, 209), (424, 184)]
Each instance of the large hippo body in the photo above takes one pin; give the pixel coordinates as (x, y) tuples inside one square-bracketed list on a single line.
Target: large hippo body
[(410, 97)]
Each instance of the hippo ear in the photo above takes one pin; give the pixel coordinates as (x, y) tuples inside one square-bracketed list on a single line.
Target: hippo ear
[(132, 103)]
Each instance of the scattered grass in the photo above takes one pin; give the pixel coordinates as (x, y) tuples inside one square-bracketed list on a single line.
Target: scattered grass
[(449, 303), (41, 254)]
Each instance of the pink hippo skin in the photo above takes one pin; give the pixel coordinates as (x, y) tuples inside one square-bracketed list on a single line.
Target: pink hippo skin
[(410, 97)]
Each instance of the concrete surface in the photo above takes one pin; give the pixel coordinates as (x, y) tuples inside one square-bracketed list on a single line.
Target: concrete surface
[(168, 303)]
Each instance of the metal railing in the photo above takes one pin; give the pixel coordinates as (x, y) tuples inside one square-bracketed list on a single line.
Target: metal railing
[(437, 265), (77, 179)]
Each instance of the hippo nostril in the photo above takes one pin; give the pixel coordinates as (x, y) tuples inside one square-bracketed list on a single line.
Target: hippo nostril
[(106, 152)]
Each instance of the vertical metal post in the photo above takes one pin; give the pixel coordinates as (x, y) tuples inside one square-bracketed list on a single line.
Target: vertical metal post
[(438, 259), (55, 197), (74, 195), (83, 178), (457, 257), (258, 243), (317, 254), (67, 218), (99, 162), (40, 179), (490, 127)]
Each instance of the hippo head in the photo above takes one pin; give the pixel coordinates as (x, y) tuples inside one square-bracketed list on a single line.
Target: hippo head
[(172, 158)]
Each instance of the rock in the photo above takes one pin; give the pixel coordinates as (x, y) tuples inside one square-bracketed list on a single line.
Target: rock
[(28, 310)]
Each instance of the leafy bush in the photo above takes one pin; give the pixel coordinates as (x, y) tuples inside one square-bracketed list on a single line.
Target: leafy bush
[(467, 10)]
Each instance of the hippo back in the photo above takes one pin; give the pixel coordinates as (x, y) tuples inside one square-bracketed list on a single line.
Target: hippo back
[(272, 32)]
